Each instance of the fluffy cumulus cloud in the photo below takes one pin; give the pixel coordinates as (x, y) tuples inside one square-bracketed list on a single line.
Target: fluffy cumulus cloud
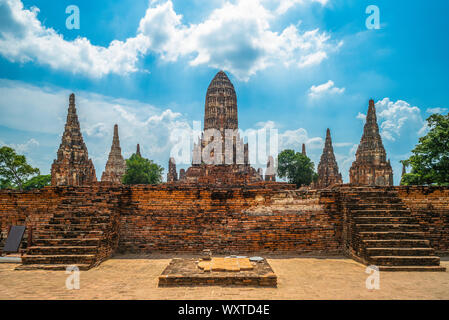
[(327, 88), (23, 38), (236, 37)]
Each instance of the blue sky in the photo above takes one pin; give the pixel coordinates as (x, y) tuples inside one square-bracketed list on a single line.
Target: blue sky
[(299, 66)]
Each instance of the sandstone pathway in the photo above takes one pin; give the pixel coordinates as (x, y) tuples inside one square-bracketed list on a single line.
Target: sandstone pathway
[(134, 277)]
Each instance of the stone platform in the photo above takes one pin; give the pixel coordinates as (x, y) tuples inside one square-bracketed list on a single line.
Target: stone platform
[(187, 272)]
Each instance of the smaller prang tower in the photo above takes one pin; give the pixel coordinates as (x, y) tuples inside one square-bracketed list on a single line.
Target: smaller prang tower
[(116, 165), (328, 174), (371, 167), (72, 166)]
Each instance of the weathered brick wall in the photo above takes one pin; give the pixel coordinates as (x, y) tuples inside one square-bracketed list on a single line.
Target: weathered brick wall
[(32, 208), (228, 220), (430, 205), (187, 218)]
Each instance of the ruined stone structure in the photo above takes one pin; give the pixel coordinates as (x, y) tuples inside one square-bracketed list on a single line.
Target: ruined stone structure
[(328, 173), (116, 165), (72, 165), (138, 150), (182, 174), (371, 166), (270, 173), (304, 149), (172, 175), (220, 156), (395, 228)]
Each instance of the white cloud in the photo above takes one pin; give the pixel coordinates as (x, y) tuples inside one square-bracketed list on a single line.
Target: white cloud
[(236, 37), (437, 110), (361, 116), (285, 5), (26, 39), (22, 148), (398, 117), (324, 89)]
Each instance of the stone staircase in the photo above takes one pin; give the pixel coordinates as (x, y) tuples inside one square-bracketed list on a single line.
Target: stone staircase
[(382, 232), (79, 237)]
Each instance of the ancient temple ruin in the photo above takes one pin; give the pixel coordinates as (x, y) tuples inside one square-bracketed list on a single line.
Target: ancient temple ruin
[(371, 166), (172, 174), (72, 166), (328, 173), (220, 156), (116, 165)]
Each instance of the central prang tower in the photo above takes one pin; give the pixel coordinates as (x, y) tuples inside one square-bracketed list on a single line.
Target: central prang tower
[(220, 110), (220, 156)]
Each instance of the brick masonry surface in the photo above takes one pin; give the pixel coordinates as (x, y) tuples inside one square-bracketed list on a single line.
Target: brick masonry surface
[(265, 217)]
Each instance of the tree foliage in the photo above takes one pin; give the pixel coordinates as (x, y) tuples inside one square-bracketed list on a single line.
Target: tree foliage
[(14, 169), (296, 167), (142, 171), (37, 182), (430, 157)]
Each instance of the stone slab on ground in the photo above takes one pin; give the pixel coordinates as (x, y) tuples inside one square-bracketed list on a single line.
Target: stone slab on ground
[(186, 272)]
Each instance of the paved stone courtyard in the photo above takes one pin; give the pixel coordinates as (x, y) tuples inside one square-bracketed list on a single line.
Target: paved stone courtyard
[(136, 277)]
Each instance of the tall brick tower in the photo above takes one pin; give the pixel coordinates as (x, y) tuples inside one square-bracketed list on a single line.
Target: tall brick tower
[(220, 156), (328, 174), (72, 166), (220, 110), (116, 165), (371, 166)]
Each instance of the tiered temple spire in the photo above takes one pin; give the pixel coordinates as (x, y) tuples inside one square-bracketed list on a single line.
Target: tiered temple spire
[(304, 149), (328, 174), (116, 165), (72, 166), (220, 155), (138, 150), (172, 174), (371, 166)]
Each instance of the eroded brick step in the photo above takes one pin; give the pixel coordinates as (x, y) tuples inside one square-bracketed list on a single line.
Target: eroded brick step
[(400, 251), (59, 259), (66, 242), (69, 234), (409, 243), (388, 227), (74, 227), (376, 200), (376, 206), (52, 267), (56, 250), (412, 268), (78, 220), (384, 219), (404, 260), (380, 212), (388, 235)]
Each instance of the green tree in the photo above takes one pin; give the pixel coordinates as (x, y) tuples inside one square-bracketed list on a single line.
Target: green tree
[(37, 182), (142, 171), (14, 169), (296, 167), (430, 158)]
